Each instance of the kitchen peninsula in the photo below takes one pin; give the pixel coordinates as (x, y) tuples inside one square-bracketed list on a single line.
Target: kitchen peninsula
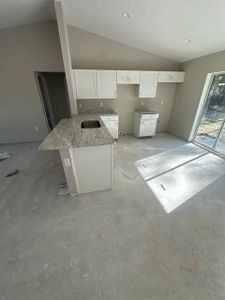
[(86, 150)]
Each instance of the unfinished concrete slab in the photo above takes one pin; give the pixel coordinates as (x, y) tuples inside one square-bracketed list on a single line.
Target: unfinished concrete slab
[(176, 186), (153, 166), (117, 244)]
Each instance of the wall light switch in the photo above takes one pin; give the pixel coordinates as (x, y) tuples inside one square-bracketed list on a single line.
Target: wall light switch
[(101, 104), (80, 105), (67, 162), (162, 102), (142, 103)]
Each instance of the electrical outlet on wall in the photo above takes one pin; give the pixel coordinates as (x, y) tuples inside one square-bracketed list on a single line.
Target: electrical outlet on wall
[(67, 162)]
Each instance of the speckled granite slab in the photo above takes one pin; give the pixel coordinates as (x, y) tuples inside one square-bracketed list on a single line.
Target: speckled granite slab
[(100, 112), (68, 133), (145, 111)]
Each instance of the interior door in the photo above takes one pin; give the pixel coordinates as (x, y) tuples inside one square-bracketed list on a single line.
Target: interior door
[(210, 132)]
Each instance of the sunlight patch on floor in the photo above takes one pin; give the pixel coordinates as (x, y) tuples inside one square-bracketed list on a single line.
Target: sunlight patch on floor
[(153, 166), (176, 176)]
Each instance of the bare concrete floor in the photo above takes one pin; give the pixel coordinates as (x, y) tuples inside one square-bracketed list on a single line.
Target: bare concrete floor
[(117, 244)]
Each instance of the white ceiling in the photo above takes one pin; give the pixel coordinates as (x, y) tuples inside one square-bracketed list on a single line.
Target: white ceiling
[(20, 12), (157, 26)]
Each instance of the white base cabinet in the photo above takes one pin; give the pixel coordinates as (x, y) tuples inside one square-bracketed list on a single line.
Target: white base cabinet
[(88, 169), (112, 124)]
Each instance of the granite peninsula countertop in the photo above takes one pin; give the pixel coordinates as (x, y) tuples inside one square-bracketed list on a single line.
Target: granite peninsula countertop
[(69, 134), (145, 111), (100, 112)]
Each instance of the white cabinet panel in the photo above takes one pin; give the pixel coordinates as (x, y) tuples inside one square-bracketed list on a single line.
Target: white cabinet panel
[(128, 77), (164, 76), (106, 84), (94, 167), (112, 124), (86, 83), (113, 128), (102, 84), (177, 77), (148, 85), (171, 76)]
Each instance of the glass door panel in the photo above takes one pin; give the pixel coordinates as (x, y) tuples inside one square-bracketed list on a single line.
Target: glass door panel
[(213, 114), (220, 145)]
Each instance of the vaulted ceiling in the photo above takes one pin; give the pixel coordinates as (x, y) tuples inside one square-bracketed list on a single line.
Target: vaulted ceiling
[(20, 12), (157, 26)]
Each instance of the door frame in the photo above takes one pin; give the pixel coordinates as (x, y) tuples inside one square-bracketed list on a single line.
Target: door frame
[(41, 74), (200, 111), (38, 74), (67, 95)]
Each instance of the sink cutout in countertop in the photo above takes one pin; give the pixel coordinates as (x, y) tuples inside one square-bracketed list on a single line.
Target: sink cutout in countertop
[(90, 124)]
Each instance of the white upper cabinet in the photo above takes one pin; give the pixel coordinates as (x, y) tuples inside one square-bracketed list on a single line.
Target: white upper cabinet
[(92, 84), (171, 76), (148, 84), (164, 76), (106, 80), (177, 76), (128, 77), (102, 84), (86, 83)]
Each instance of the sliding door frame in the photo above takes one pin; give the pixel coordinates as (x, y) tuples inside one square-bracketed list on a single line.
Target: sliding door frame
[(200, 111)]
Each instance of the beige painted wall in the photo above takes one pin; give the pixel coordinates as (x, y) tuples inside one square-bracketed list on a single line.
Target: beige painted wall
[(188, 94), (24, 50), (92, 51), (127, 102)]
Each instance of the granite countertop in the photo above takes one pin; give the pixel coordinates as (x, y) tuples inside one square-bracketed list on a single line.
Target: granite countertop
[(69, 134), (145, 111), (100, 112)]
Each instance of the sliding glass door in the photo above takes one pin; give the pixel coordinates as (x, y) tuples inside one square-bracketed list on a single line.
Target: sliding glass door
[(220, 145), (211, 128)]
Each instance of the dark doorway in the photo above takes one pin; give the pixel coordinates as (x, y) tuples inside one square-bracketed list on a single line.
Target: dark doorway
[(54, 96)]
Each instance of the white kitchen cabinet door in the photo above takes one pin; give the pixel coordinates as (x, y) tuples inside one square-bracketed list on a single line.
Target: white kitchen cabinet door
[(177, 76), (128, 77), (93, 167), (148, 85), (86, 84), (106, 84), (171, 76), (164, 76)]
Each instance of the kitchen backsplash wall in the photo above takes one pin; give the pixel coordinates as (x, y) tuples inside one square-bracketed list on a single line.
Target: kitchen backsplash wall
[(91, 51), (127, 102)]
